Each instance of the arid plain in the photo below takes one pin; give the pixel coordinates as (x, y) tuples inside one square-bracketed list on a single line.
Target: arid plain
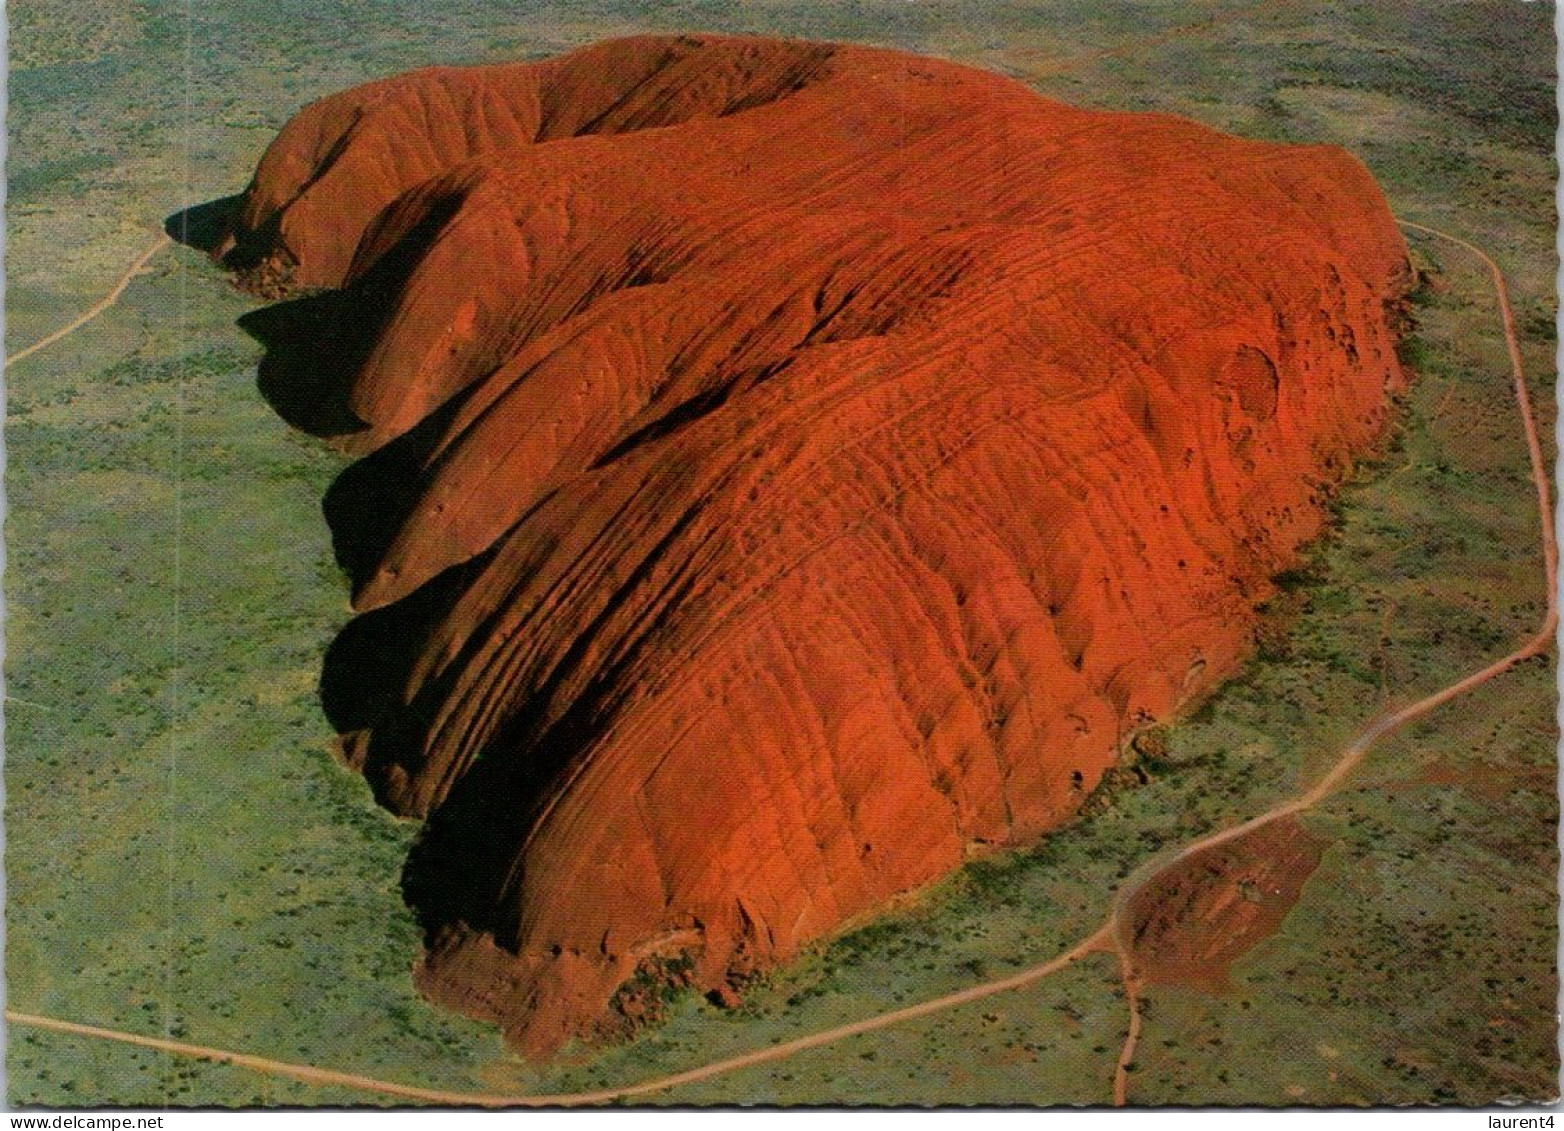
[(187, 862)]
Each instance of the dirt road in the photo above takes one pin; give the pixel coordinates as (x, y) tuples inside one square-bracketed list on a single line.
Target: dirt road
[(1111, 936), (96, 309), (312, 1075), (1359, 747)]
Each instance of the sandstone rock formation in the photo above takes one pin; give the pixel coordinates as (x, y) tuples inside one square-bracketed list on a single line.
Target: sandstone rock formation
[(788, 469)]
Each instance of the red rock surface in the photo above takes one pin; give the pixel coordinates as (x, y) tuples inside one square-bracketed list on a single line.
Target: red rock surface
[(793, 467), (1197, 919)]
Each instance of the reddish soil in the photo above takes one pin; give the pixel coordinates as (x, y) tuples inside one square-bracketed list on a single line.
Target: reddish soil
[(1193, 921), (1487, 780), (787, 465)]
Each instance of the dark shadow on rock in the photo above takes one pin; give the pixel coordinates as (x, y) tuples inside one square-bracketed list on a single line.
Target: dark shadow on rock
[(306, 372), (465, 865), (317, 343), (203, 226), (316, 347), (368, 665), (368, 503)]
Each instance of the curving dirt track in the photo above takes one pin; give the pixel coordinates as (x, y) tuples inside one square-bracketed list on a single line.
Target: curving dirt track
[(97, 308), (311, 1075), (1358, 748), (1111, 936)]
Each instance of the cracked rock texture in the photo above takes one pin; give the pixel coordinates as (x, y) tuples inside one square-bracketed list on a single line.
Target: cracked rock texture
[(788, 468)]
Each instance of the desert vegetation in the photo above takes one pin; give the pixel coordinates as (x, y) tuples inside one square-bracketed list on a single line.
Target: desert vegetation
[(184, 854)]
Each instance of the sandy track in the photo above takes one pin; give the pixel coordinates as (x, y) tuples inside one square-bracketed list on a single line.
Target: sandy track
[(1358, 748), (1111, 936), (97, 308), (312, 1075)]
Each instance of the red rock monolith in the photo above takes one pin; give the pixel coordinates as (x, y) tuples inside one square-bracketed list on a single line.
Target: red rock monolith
[(788, 466)]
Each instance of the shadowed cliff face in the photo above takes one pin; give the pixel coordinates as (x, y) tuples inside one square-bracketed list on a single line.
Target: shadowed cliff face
[(786, 467)]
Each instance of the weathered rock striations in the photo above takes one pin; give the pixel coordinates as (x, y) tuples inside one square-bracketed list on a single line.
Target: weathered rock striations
[(789, 467)]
